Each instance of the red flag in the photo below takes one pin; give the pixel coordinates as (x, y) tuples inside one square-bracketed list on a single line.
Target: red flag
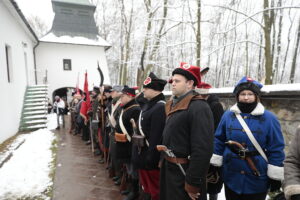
[(86, 90), (77, 85)]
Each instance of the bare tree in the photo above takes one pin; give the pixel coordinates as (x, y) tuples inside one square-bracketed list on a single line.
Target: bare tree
[(292, 75), (38, 25)]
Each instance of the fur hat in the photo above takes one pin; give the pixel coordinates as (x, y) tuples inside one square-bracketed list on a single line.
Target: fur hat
[(247, 83), (203, 88), (153, 82), (190, 72), (117, 88), (129, 91)]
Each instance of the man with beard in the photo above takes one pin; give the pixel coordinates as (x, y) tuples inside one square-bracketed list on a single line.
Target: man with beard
[(188, 133)]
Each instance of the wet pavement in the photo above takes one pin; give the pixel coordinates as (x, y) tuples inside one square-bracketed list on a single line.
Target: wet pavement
[(79, 176)]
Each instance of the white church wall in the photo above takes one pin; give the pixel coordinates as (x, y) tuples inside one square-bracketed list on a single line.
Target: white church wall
[(50, 56), (14, 36)]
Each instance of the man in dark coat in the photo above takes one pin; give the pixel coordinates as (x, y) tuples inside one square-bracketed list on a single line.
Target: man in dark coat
[(151, 125), (123, 136), (189, 135), (214, 181)]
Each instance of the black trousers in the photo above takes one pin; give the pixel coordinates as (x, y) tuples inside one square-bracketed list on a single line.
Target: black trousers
[(231, 195), (86, 132), (172, 183)]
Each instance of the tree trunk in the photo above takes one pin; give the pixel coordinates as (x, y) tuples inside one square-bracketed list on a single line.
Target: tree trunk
[(198, 36), (268, 51), (292, 75)]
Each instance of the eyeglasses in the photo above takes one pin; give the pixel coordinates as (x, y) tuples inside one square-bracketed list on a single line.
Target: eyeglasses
[(246, 94)]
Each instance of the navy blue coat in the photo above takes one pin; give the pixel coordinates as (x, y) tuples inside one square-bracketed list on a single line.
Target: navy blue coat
[(266, 129), (152, 123)]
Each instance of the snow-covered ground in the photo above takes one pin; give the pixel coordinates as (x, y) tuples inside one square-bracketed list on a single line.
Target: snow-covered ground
[(26, 173)]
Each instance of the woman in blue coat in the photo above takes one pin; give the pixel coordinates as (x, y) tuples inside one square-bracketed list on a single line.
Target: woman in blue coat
[(247, 174)]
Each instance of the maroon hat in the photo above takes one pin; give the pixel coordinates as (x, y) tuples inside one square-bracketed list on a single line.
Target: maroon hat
[(190, 72), (154, 82)]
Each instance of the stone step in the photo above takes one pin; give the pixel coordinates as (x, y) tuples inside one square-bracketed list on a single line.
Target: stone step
[(36, 100), (37, 96), (37, 89), (38, 112), (37, 93), (35, 117), (40, 103), (36, 108), (36, 121), (33, 127)]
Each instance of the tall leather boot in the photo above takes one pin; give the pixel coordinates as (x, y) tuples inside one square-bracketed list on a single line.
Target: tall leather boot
[(134, 193), (213, 197)]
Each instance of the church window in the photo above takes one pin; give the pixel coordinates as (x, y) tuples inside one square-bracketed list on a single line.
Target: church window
[(67, 64), (8, 63)]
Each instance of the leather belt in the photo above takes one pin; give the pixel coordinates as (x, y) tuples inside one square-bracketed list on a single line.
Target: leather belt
[(177, 160), (244, 153)]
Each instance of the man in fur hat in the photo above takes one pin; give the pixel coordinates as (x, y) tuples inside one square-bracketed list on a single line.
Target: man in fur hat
[(188, 133), (151, 125)]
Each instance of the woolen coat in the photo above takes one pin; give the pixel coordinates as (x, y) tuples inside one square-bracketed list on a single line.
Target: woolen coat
[(292, 168), (153, 118), (189, 134)]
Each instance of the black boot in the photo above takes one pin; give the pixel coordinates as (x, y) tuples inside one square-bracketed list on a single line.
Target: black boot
[(134, 193), (146, 196), (213, 197)]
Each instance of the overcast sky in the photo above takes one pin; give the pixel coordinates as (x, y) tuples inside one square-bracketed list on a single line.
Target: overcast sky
[(41, 8)]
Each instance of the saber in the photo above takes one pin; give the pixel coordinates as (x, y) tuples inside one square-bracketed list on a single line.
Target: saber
[(244, 157), (170, 154)]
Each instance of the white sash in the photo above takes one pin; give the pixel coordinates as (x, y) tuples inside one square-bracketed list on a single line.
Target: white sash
[(250, 136), (140, 124), (123, 127), (111, 118)]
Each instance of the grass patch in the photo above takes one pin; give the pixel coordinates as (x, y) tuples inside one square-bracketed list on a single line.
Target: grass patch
[(4, 146)]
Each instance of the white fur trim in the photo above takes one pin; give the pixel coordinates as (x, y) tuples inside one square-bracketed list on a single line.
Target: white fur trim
[(216, 160), (275, 172), (291, 190), (259, 109), (202, 90), (235, 109)]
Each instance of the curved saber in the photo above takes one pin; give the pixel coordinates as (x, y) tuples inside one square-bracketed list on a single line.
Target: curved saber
[(101, 74)]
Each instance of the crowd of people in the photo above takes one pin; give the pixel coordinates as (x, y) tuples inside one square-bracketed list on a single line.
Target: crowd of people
[(186, 147)]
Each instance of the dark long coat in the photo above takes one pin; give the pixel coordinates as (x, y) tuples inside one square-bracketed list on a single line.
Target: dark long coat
[(189, 134), (124, 149), (152, 123)]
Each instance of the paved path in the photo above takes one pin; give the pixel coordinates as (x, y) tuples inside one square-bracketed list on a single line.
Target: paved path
[(78, 175)]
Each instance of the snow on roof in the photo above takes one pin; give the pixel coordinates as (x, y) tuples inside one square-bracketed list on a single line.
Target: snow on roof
[(266, 89), (50, 37)]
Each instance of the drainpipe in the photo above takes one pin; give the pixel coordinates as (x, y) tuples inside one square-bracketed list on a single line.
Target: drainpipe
[(34, 60)]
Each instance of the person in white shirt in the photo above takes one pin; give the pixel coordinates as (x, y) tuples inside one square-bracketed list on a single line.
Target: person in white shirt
[(58, 108)]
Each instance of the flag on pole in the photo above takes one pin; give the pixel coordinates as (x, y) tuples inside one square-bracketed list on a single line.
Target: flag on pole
[(86, 90), (77, 85)]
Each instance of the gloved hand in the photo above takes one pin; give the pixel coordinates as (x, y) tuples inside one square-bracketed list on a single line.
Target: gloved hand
[(274, 185), (295, 197)]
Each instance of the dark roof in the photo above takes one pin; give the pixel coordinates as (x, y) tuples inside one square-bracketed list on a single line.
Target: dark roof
[(74, 18), (24, 19), (79, 2)]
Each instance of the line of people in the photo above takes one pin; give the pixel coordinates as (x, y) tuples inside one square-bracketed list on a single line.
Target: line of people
[(185, 147)]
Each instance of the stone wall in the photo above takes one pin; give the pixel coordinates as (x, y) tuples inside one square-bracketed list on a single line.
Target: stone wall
[(284, 104)]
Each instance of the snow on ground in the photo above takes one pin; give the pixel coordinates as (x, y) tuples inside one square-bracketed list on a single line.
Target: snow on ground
[(52, 121), (26, 174)]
